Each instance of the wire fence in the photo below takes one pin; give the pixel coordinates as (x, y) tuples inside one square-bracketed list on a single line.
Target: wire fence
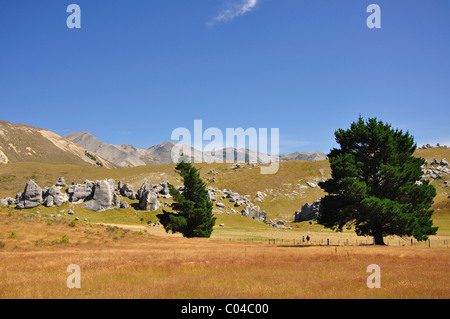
[(430, 243)]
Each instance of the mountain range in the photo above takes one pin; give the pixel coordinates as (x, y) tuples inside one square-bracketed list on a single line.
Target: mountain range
[(23, 143), (126, 155)]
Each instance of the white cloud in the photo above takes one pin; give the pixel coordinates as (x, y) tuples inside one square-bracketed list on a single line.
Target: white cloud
[(233, 10)]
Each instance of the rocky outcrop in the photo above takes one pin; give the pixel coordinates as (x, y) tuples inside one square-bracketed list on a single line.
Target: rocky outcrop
[(165, 188), (435, 169), (235, 197), (149, 201), (146, 187), (54, 197), (61, 182), (79, 193), (260, 196), (280, 224), (7, 201), (253, 212), (104, 197), (126, 190), (212, 196), (31, 197), (161, 189), (98, 196), (250, 211), (49, 201), (309, 212)]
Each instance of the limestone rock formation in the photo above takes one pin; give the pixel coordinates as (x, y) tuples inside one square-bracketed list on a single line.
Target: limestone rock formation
[(253, 212), (308, 212), (31, 197), (61, 182), (212, 196), (53, 196), (7, 201), (126, 190), (80, 192), (104, 197), (162, 188), (149, 201)]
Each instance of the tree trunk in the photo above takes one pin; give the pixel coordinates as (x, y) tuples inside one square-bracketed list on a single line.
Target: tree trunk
[(378, 238)]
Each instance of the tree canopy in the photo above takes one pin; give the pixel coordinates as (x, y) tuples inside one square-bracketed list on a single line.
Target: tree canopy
[(376, 184)]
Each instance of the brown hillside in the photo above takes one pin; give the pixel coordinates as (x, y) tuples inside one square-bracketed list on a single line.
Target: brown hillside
[(23, 143)]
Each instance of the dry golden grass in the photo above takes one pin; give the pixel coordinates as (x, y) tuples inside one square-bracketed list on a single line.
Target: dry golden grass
[(116, 263), (432, 153)]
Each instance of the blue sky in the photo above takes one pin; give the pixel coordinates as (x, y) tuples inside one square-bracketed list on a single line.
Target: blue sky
[(136, 70)]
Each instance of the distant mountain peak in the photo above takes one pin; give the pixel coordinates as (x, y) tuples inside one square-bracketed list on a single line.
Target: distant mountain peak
[(165, 144), (127, 155)]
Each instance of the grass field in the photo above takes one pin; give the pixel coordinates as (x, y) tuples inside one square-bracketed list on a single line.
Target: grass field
[(118, 263)]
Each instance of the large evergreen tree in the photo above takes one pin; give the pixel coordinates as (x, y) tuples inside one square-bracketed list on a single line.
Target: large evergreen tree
[(193, 216), (373, 184)]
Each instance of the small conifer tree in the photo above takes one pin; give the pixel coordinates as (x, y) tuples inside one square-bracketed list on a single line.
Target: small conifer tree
[(193, 210)]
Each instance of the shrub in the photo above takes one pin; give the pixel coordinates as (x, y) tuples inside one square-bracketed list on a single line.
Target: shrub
[(64, 239), (72, 223), (92, 157)]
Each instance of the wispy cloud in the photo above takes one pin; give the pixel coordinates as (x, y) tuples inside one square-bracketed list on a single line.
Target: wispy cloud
[(234, 9)]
